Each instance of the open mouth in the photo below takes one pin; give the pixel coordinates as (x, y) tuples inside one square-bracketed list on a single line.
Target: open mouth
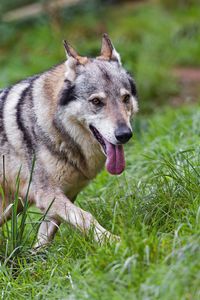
[(98, 137), (115, 161)]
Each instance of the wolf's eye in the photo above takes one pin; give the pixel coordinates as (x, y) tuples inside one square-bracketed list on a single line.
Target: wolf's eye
[(126, 99), (97, 102)]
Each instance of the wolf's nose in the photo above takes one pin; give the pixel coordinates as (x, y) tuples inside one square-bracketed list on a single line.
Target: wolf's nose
[(123, 134)]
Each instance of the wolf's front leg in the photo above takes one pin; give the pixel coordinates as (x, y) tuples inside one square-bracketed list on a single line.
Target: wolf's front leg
[(60, 209)]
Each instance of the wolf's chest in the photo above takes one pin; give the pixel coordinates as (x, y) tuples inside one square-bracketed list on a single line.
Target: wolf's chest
[(71, 178)]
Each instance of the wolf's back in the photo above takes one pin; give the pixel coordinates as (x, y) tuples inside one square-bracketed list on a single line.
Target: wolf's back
[(16, 117)]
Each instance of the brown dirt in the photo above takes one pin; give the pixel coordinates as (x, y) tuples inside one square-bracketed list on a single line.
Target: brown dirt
[(189, 86)]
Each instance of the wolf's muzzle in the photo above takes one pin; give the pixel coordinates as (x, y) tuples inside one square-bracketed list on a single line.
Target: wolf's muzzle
[(123, 134)]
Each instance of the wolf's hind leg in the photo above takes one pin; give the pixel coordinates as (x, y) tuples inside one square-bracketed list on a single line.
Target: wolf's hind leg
[(6, 211), (5, 214), (46, 232)]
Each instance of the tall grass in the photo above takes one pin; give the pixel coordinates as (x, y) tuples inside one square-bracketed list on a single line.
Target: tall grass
[(16, 232)]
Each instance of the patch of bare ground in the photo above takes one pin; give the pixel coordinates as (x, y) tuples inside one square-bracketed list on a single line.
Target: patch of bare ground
[(189, 85)]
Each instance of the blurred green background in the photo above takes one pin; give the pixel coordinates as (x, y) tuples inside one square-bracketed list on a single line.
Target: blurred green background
[(156, 40)]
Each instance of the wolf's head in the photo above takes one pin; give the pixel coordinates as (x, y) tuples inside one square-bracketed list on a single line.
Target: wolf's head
[(101, 95)]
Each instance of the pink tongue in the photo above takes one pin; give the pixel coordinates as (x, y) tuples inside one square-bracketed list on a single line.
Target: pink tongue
[(115, 162)]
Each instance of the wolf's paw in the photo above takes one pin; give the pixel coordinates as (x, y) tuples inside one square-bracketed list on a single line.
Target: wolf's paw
[(106, 237)]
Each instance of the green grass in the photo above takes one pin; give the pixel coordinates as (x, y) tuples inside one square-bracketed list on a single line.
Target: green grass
[(155, 208)]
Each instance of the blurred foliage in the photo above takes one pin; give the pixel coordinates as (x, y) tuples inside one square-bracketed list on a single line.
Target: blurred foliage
[(179, 3), (150, 38), (8, 5)]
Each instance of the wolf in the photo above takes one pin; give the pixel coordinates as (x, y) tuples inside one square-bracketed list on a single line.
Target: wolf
[(73, 119)]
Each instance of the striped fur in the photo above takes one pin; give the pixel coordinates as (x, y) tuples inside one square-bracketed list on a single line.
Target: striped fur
[(47, 117)]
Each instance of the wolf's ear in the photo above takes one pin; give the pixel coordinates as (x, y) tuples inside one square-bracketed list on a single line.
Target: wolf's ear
[(70, 52), (108, 51), (73, 59)]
